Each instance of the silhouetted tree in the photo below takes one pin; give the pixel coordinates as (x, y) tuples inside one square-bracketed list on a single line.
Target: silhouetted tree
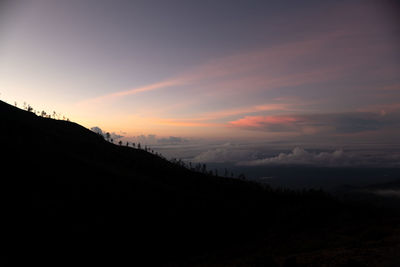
[(133, 145), (242, 176), (182, 163), (198, 167), (204, 168), (120, 142), (127, 143), (138, 146), (108, 136)]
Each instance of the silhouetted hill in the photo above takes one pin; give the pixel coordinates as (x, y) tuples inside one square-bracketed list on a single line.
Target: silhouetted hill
[(70, 195)]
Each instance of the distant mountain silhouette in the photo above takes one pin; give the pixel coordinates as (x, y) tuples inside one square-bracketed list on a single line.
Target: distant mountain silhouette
[(71, 196)]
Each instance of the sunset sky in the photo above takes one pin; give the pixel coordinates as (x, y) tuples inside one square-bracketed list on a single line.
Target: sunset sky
[(265, 70)]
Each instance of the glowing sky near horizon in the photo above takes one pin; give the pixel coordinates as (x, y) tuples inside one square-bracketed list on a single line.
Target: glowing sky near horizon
[(212, 69)]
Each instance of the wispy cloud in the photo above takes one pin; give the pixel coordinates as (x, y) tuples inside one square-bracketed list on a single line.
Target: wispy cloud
[(239, 111), (209, 119), (268, 123), (137, 90), (196, 122), (337, 66), (261, 69), (334, 123)]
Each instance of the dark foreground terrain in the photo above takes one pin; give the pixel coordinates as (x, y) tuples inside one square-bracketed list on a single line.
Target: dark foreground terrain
[(72, 197)]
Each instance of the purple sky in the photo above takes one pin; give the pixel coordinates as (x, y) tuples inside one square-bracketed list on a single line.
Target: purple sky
[(326, 71)]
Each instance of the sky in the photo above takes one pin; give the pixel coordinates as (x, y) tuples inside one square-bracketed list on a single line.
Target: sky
[(274, 71)]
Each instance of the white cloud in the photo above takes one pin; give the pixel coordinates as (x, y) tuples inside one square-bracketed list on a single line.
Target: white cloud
[(149, 139), (116, 136), (113, 135), (225, 153), (299, 156), (152, 139), (268, 155), (172, 140), (97, 130)]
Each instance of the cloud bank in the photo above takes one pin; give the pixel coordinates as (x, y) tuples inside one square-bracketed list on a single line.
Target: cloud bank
[(97, 130), (258, 154), (172, 140), (336, 158), (226, 153), (113, 135), (299, 156)]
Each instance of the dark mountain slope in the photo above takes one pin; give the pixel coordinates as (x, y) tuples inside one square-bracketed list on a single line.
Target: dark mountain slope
[(71, 195)]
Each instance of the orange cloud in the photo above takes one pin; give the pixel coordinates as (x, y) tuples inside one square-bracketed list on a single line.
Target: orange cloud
[(205, 119), (262, 121), (350, 123)]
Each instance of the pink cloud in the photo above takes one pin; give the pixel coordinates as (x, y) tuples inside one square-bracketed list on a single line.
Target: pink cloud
[(344, 124), (245, 110), (285, 123), (240, 68), (116, 95), (320, 57)]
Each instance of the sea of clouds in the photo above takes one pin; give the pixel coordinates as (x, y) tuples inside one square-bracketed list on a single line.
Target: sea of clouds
[(258, 153), (264, 155)]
